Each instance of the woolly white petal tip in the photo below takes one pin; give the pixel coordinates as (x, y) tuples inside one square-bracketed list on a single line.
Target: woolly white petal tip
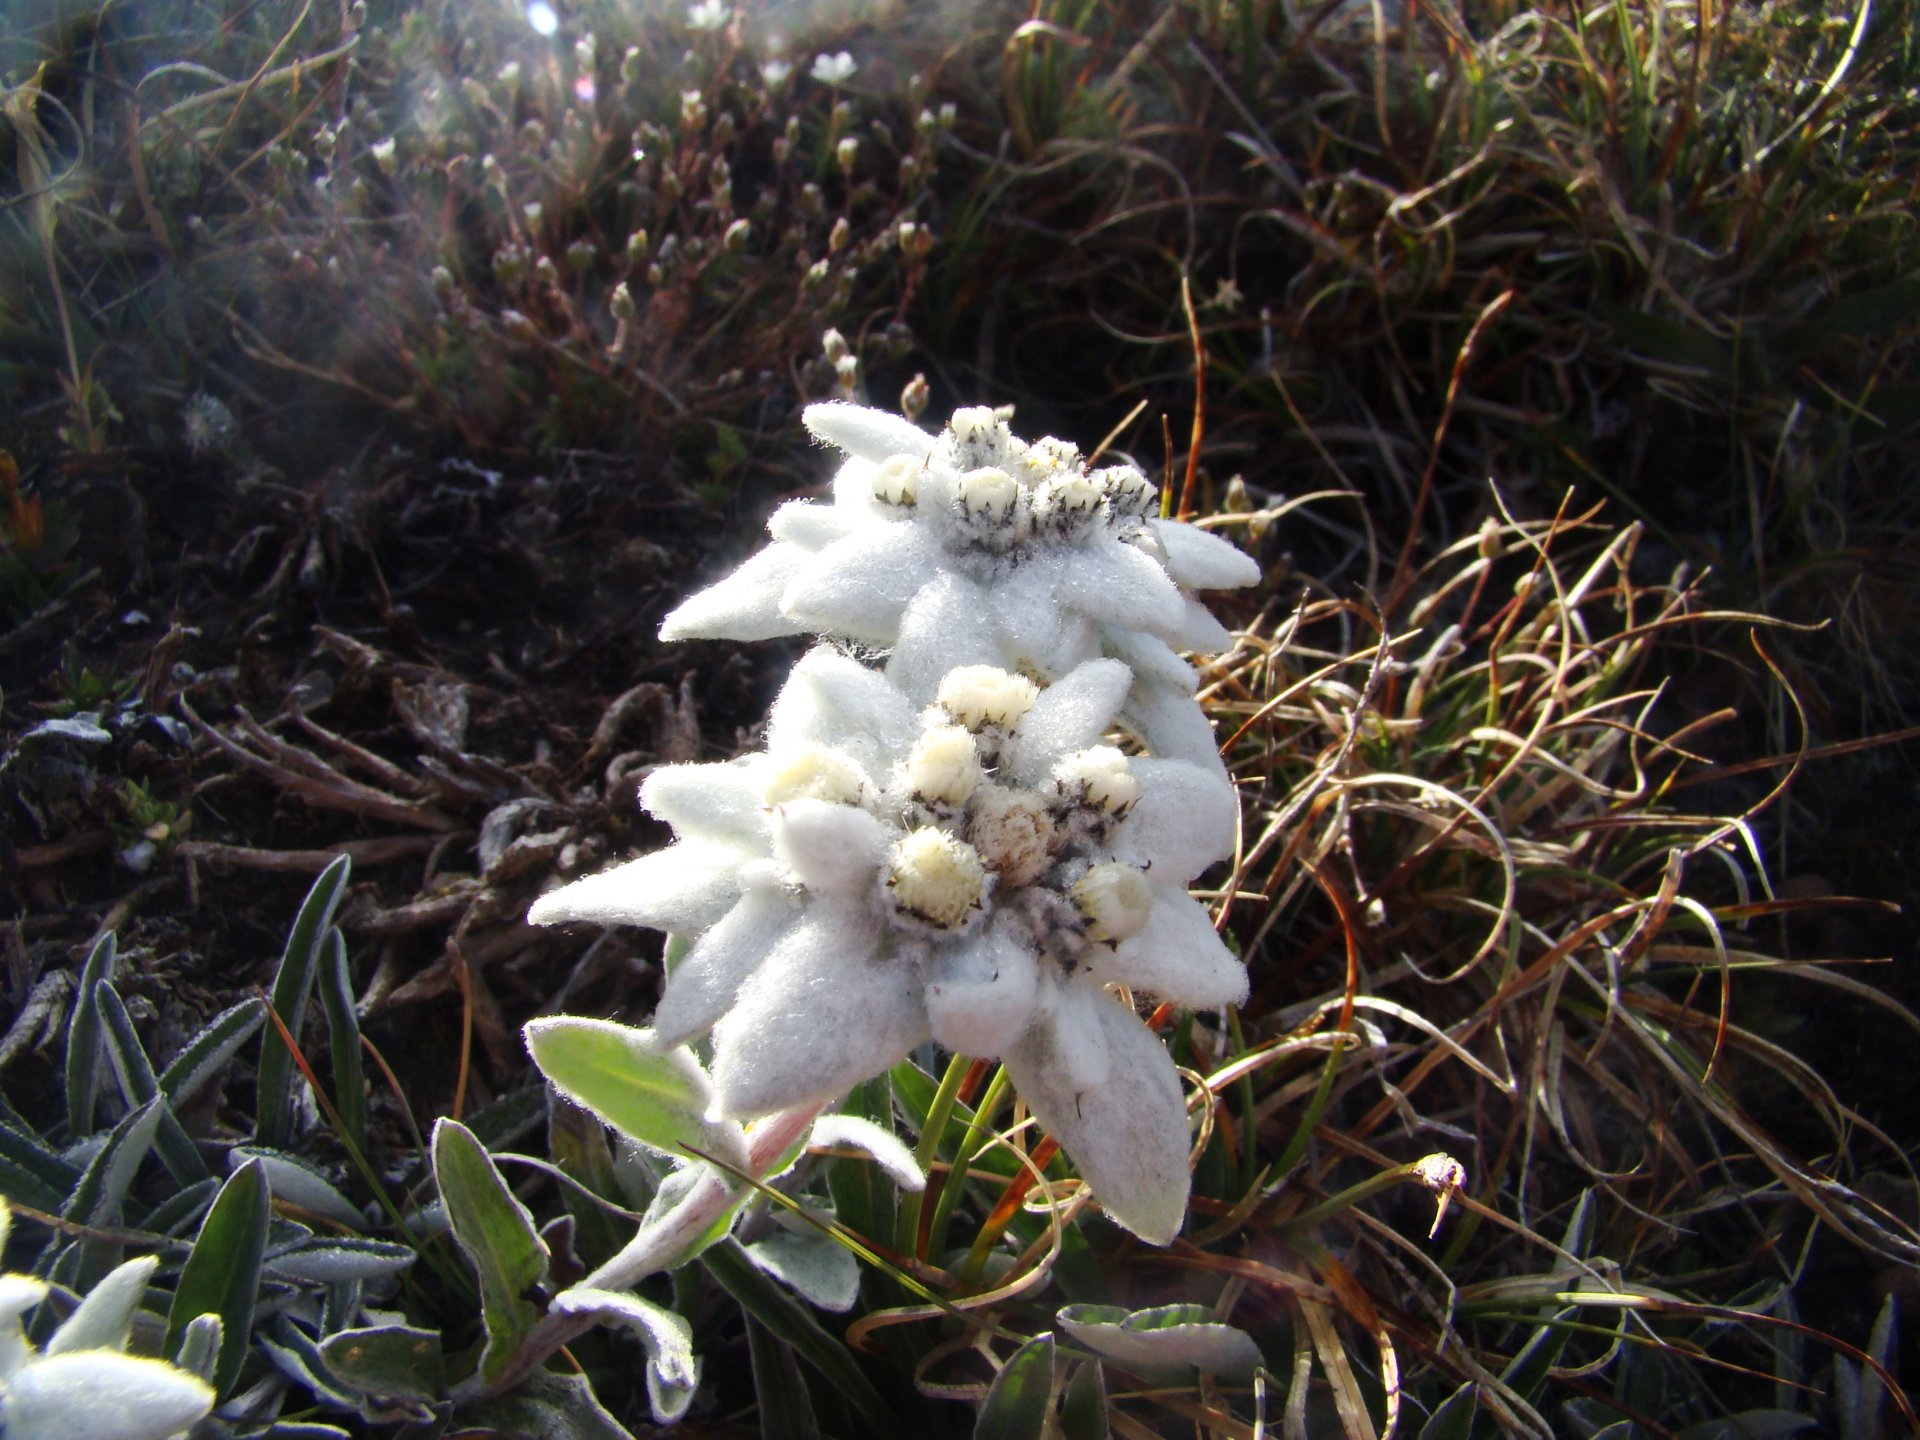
[(1177, 956), (102, 1395), (703, 985), (859, 587), (710, 802), (868, 433), (818, 1016), (980, 995), (683, 888), (1203, 561), (829, 848), (831, 699), (1128, 1137), (745, 605), (1183, 821), (1070, 714)]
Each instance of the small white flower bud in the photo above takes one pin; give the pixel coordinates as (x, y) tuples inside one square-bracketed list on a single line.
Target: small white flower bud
[(1100, 776), (1116, 900), (1128, 491), (1014, 833), (385, 155), (847, 370), (975, 425), (738, 234), (937, 878), (982, 695), (1056, 454), (846, 152), (898, 481), (1067, 500), (834, 346), (813, 772), (838, 236), (988, 494), (944, 766)]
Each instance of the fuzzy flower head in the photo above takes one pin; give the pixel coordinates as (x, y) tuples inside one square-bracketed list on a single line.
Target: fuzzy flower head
[(974, 547), (980, 870)]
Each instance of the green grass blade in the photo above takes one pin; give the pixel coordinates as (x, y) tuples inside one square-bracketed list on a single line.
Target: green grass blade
[(292, 984), (83, 1039), (791, 1323), (343, 1038), (135, 1075), (214, 1045)]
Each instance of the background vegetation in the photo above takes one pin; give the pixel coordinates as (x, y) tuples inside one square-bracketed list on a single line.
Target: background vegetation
[(374, 375)]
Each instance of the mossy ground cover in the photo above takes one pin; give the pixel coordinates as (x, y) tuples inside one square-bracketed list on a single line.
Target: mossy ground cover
[(375, 377)]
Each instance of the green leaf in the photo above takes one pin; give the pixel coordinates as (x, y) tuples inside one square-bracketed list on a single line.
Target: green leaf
[(83, 1039), (1454, 1418), (657, 1097), (292, 983), (577, 1141), (789, 1322), (1670, 342), (211, 1048), (134, 1072), (102, 1188), (510, 1118), (780, 1390), (222, 1273), (343, 1038), (183, 1207), (1526, 1373), (498, 1236), (1083, 1409), (1017, 1405), (672, 1372), (336, 1259), (396, 1361), (1168, 1335), (545, 1407), (32, 1174), (297, 1183), (815, 1266)]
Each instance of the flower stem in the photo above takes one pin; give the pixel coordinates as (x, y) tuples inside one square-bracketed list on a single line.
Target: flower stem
[(1354, 1194), (657, 1246), (971, 1144), (906, 1230)]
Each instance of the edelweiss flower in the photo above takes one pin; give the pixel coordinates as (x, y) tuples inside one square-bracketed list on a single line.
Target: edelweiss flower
[(81, 1384), (972, 546), (981, 870)]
